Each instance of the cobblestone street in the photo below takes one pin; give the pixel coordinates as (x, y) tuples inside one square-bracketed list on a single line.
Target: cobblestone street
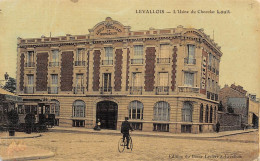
[(78, 146)]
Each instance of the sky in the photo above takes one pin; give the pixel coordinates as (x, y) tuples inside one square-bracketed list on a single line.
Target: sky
[(236, 32)]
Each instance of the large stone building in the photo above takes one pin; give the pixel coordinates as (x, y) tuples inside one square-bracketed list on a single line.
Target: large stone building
[(162, 79)]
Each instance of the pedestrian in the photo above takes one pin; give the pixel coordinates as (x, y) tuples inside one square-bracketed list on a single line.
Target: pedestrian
[(217, 127), (98, 124)]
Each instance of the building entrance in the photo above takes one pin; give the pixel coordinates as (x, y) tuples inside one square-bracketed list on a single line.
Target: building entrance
[(107, 113)]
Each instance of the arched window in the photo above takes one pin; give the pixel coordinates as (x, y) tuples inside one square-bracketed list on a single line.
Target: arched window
[(207, 114), (162, 111), (210, 114), (55, 108), (187, 112), (201, 113), (78, 109), (136, 110)]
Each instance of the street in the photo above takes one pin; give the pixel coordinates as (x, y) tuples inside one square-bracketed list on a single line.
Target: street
[(78, 146)]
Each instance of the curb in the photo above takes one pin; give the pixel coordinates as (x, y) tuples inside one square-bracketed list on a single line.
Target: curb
[(48, 155), (150, 135), (22, 137)]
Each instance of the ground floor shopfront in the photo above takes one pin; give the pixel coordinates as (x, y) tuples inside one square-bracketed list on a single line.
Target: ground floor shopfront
[(146, 113)]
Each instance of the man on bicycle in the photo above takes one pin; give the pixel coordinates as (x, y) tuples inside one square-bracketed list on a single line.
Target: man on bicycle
[(125, 127)]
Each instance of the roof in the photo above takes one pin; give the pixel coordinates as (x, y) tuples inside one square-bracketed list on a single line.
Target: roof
[(2, 91)]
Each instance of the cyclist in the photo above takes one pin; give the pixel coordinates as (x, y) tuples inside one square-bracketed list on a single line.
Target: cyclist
[(125, 127)]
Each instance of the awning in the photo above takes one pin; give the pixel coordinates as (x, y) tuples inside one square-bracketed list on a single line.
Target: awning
[(8, 96)]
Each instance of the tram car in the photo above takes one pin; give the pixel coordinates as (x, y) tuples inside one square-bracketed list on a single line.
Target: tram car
[(36, 116)]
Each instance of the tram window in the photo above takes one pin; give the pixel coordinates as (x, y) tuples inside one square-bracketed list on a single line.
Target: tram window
[(20, 109), (27, 109)]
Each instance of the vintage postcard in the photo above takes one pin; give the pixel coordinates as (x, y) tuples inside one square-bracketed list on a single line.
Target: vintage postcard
[(129, 80)]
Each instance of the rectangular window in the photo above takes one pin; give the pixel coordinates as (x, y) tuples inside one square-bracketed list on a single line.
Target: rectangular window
[(138, 51), (108, 59), (136, 80), (210, 59), (108, 53), (80, 55), (164, 51), (30, 59), (30, 56), (55, 55), (191, 54), (54, 84), (107, 82), (30, 80), (163, 79), (54, 79), (79, 80), (189, 79)]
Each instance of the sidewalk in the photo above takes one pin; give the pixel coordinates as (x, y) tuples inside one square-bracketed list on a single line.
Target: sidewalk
[(14, 148), (18, 135), (152, 134)]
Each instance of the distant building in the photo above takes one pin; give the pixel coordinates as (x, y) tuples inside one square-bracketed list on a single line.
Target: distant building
[(239, 107), (232, 91), (253, 110), (162, 79)]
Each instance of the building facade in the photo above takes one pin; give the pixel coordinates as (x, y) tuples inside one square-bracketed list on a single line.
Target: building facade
[(162, 79)]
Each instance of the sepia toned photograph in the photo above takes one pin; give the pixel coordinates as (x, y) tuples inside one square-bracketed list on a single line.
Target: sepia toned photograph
[(173, 80)]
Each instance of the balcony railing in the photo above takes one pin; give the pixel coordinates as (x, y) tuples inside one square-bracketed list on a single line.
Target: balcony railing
[(29, 90), (106, 90), (136, 90), (188, 89), (137, 61), (30, 64), (53, 90), (79, 90), (80, 63), (163, 60), (107, 62), (162, 90), (54, 64), (189, 61)]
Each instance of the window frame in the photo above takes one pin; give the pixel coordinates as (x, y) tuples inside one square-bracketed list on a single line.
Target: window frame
[(133, 108)]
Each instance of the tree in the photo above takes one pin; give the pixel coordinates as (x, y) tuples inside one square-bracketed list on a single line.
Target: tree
[(10, 85), (13, 117), (220, 106)]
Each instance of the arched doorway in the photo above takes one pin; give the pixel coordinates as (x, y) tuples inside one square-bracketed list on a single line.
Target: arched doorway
[(107, 113)]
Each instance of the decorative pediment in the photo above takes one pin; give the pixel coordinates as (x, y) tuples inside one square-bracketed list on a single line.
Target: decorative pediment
[(109, 28), (192, 33)]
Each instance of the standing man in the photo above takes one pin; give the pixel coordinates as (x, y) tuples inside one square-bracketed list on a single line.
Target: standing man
[(125, 127), (217, 127)]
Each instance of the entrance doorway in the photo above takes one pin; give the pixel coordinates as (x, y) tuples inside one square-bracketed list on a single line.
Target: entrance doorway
[(107, 113)]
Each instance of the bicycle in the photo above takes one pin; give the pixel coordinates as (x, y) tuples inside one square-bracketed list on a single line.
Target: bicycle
[(123, 143)]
